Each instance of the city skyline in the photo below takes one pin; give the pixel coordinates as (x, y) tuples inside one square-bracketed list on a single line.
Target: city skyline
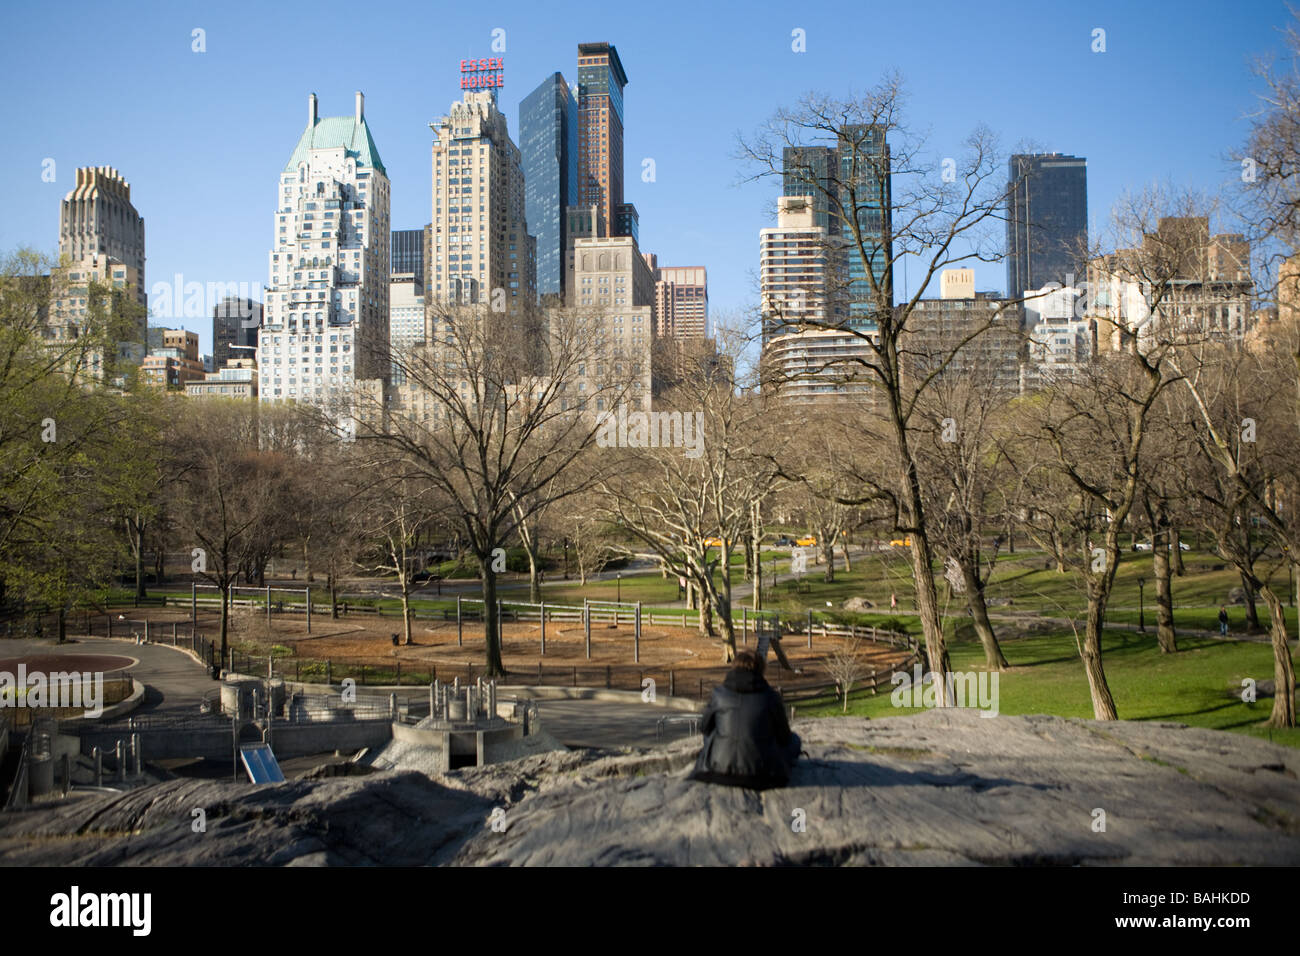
[(685, 198)]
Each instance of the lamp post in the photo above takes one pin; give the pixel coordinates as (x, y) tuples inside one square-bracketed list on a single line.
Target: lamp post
[(618, 578), (1142, 621)]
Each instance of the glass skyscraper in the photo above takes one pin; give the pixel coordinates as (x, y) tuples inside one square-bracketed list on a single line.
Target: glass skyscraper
[(407, 253), (1047, 220), (826, 171), (548, 141)]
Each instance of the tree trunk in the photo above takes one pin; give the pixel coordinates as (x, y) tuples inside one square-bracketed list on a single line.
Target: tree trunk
[(1177, 542), (927, 604), (333, 582), (828, 552), (848, 566), (1103, 704), (979, 612), (1252, 612), (1283, 714), (63, 624), (492, 636), (1165, 634), (406, 609), (137, 533), (225, 619)]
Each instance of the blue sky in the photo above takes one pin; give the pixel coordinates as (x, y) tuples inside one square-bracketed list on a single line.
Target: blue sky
[(202, 137)]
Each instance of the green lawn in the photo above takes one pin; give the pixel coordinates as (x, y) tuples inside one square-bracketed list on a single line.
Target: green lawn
[(1200, 685)]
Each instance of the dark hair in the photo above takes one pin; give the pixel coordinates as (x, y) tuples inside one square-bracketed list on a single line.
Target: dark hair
[(748, 661)]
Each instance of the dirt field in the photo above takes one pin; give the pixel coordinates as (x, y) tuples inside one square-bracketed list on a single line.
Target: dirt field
[(366, 639)]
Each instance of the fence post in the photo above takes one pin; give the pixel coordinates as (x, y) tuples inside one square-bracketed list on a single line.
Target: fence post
[(459, 631), (586, 625), (636, 635), (268, 607), (194, 604), (500, 631), (543, 608)]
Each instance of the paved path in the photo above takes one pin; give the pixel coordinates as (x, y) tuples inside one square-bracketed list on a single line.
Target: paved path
[(175, 682)]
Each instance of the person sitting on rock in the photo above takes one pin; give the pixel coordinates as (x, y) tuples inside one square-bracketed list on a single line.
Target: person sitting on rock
[(747, 739)]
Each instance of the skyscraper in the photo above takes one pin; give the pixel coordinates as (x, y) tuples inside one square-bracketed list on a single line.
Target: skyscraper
[(548, 143), (481, 249), (600, 133), (1047, 220), (235, 323), (681, 301), (854, 173), (326, 310), (407, 253), (101, 239)]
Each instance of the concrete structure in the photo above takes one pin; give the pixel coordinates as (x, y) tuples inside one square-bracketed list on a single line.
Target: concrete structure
[(101, 241), (938, 331), (174, 361), (795, 265), (237, 379), (1047, 220), (548, 143), (803, 359), (957, 284), (612, 278), (235, 322), (601, 80), (326, 320), (681, 300), (406, 320), (1059, 336), (481, 250), (1205, 290)]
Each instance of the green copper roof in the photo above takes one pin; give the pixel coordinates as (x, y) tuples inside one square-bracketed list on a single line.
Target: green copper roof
[(331, 132)]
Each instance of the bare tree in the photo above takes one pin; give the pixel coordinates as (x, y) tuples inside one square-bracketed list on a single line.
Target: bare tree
[(506, 406), (942, 212), (846, 667)]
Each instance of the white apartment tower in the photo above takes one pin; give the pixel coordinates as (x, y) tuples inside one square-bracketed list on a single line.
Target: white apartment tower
[(477, 249), (325, 329)]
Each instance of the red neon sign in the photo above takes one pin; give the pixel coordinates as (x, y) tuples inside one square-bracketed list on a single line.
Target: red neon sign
[(482, 74)]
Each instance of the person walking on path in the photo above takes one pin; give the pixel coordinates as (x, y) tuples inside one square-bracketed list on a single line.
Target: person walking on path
[(1223, 620)]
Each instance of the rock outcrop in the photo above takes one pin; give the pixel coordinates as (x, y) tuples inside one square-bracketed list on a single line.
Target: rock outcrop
[(944, 787)]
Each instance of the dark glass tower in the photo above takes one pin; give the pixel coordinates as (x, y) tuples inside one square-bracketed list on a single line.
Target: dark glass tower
[(548, 141), (406, 252), (1047, 220), (823, 172)]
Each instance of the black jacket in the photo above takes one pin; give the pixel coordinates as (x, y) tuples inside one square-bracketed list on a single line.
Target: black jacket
[(747, 739)]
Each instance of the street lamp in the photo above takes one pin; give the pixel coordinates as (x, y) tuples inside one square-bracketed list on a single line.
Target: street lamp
[(618, 577), (1142, 621)]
